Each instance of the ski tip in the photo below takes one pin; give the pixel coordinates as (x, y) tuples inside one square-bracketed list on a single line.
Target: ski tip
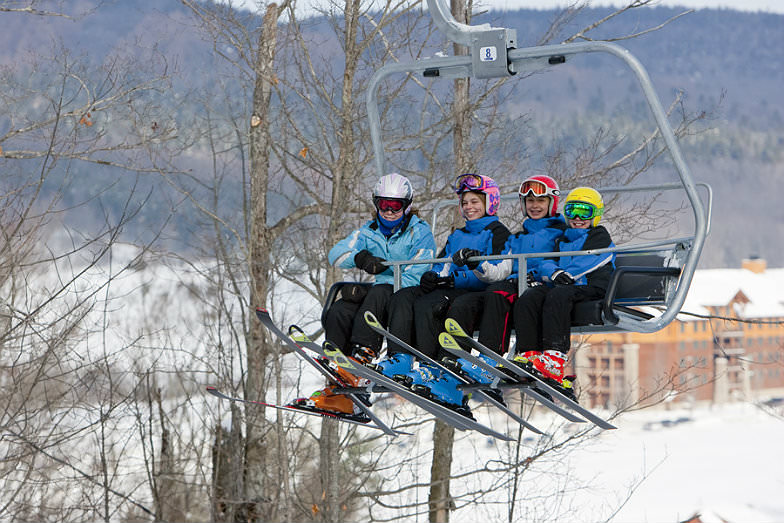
[(446, 340), (213, 390), (371, 319), (453, 327)]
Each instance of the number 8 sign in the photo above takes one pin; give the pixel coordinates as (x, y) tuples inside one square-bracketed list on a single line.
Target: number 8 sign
[(488, 54)]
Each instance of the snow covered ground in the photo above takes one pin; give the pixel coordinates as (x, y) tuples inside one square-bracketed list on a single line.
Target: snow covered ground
[(661, 465), (723, 463)]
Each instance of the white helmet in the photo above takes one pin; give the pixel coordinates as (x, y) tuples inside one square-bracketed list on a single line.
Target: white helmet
[(394, 186)]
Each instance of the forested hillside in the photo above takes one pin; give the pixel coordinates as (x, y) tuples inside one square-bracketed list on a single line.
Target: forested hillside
[(728, 64)]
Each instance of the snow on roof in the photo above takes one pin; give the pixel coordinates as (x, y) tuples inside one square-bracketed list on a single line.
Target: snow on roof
[(717, 287)]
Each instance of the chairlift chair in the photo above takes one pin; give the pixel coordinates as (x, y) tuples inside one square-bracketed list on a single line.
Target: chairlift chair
[(657, 273)]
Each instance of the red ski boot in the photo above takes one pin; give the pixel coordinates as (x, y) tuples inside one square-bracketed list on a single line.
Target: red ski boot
[(550, 365)]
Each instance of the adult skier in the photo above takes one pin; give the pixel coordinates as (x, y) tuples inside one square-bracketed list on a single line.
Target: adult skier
[(394, 233)]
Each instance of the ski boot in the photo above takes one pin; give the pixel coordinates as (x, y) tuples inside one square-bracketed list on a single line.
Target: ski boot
[(436, 385), (550, 366), (526, 359), (327, 401), (350, 380), (474, 373), (397, 366), (362, 354)]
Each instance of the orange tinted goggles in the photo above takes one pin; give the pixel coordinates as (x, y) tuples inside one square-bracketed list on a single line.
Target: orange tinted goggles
[(536, 188)]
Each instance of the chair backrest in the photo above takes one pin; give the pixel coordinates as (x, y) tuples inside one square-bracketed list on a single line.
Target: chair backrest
[(641, 288)]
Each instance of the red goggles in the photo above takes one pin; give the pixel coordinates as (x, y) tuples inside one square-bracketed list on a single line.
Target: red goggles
[(536, 188), (387, 204)]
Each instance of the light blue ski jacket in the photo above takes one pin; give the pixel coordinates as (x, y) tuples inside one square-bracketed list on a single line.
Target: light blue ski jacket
[(413, 241)]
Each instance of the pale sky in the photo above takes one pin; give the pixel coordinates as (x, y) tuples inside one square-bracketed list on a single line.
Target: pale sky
[(771, 6)]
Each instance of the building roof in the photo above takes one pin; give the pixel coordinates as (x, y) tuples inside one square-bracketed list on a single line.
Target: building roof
[(718, 287)]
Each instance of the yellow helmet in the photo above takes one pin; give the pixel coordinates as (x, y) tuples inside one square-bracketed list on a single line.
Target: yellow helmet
[(584, 195)]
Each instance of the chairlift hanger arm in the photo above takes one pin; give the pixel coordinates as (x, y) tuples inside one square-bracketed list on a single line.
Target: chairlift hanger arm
[(506, 61)]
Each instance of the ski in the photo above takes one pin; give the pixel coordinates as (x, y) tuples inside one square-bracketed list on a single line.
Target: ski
[(299, 336), (441, 412), (456, 330), (502, 379), (332, 377), (299, 410), (374, 324)]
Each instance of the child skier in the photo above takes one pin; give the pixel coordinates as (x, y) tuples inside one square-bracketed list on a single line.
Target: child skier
[(489, 310), (542, 315)]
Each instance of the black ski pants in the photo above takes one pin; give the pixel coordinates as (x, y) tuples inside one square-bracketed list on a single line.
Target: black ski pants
[(543, 315), (487, 311), (345, 322), (417, 318)]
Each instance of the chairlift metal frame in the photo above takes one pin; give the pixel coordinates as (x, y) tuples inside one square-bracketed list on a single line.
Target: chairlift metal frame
[(493, 55)]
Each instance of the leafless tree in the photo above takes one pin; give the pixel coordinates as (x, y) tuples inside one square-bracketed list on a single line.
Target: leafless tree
[(63, 397)]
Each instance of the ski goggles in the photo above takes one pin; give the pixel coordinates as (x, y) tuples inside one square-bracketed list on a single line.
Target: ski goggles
[(388, 204), (581, 211), (469, 182), (536, 188)]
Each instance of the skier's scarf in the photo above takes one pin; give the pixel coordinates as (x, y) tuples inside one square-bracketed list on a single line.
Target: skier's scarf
[(388, 227)]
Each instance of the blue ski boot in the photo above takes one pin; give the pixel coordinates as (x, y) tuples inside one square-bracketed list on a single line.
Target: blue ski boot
[(474, 373), (395, 366), (441, 387)]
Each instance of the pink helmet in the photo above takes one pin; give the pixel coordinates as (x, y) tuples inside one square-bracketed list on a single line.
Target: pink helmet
[(540, 185), (480, 183)]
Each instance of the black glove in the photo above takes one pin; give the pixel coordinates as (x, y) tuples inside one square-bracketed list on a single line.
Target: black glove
[(447, 282), (531, 280), (461, 258), (367, 262), (562, 277), (353, 292), (429, 281)]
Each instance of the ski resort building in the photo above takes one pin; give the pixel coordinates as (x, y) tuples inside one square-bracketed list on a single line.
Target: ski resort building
[(705, 355)]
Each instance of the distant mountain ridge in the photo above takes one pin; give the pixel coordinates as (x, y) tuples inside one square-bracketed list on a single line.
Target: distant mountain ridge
[(713, 55)]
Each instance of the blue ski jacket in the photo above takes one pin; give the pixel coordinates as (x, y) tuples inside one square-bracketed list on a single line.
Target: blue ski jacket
[(589, 269), (487, 235), (413, 241), (536, 236)]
